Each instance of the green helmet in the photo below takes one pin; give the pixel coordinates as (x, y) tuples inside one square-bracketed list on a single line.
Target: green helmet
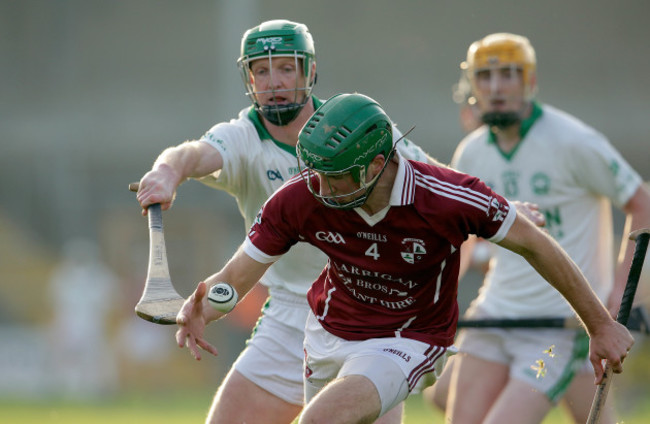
[(343, 136), (279, 38)]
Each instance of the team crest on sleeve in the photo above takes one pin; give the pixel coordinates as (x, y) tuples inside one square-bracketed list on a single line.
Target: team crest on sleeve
[(258, 221), (413, 250), (497, 210), (258, 217)]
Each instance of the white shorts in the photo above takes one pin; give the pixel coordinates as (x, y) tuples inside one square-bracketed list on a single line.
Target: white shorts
[(273, 357), (394, 365), (546, 359)]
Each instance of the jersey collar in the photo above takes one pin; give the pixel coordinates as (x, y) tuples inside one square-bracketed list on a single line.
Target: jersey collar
[(526, 125), (403, 192), (264, 133)]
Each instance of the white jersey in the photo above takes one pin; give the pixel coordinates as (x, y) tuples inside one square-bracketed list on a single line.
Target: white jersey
[(574, 174), (254, 166)]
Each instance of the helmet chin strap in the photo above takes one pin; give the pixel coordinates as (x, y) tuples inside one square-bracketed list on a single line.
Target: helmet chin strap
[(281, 115)]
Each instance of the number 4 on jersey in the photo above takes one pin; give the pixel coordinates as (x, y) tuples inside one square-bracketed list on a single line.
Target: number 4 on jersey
[(373, 252)]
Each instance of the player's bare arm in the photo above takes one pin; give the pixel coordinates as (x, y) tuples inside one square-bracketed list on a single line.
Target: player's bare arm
[(637, 211), (241, 272), (530, 211), (191, 159), (609, 340)]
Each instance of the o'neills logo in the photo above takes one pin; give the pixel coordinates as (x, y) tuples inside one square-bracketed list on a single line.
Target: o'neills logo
[(413, 250), (399, 353), (372, 236)]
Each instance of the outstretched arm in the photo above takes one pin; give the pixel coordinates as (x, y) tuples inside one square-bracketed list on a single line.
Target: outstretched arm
[(241, 272), (609, 339), (191, 159)]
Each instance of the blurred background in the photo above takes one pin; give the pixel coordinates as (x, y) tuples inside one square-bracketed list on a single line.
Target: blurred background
[(93, 91)]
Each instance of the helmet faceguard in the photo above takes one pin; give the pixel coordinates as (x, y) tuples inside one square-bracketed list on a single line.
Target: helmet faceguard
[(501, 51), (341, 139), (274, 39)]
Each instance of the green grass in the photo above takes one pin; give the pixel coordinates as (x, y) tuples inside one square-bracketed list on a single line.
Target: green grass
[(191, 408)]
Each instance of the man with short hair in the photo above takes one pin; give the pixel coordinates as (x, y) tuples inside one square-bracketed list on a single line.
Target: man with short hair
[(384, 310)]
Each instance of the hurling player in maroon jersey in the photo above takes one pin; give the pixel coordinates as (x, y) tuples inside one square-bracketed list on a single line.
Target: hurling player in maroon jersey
[(384, 309)]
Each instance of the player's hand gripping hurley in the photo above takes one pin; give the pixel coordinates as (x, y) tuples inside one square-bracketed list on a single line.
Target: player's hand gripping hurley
[(641, 237), (159, 302)]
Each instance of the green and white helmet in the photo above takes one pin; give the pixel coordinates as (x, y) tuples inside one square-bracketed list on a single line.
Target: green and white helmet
[(272, 39), (342, 137)]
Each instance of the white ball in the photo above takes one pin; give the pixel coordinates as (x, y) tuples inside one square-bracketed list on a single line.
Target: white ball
[(223, 297)]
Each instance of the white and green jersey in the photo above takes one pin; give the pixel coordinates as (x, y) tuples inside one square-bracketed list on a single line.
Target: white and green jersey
[(574, 174), (254, 166)]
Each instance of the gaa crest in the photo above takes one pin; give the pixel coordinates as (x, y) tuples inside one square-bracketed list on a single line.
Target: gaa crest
[(413, 250)]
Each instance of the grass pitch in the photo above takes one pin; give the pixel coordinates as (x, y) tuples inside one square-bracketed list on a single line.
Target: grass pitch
[(141, 408)]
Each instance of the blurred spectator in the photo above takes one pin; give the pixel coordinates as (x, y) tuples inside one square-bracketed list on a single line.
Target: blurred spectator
[(82, 292)]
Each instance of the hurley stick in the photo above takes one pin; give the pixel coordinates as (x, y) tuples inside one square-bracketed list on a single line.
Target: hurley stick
[(159, 302), (641, 246), (638, 321)]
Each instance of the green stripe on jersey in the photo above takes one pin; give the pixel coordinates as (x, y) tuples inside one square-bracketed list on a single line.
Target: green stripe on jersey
[(526, 125)]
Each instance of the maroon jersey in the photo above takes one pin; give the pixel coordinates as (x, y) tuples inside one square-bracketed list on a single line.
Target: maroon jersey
[(395, 273)]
